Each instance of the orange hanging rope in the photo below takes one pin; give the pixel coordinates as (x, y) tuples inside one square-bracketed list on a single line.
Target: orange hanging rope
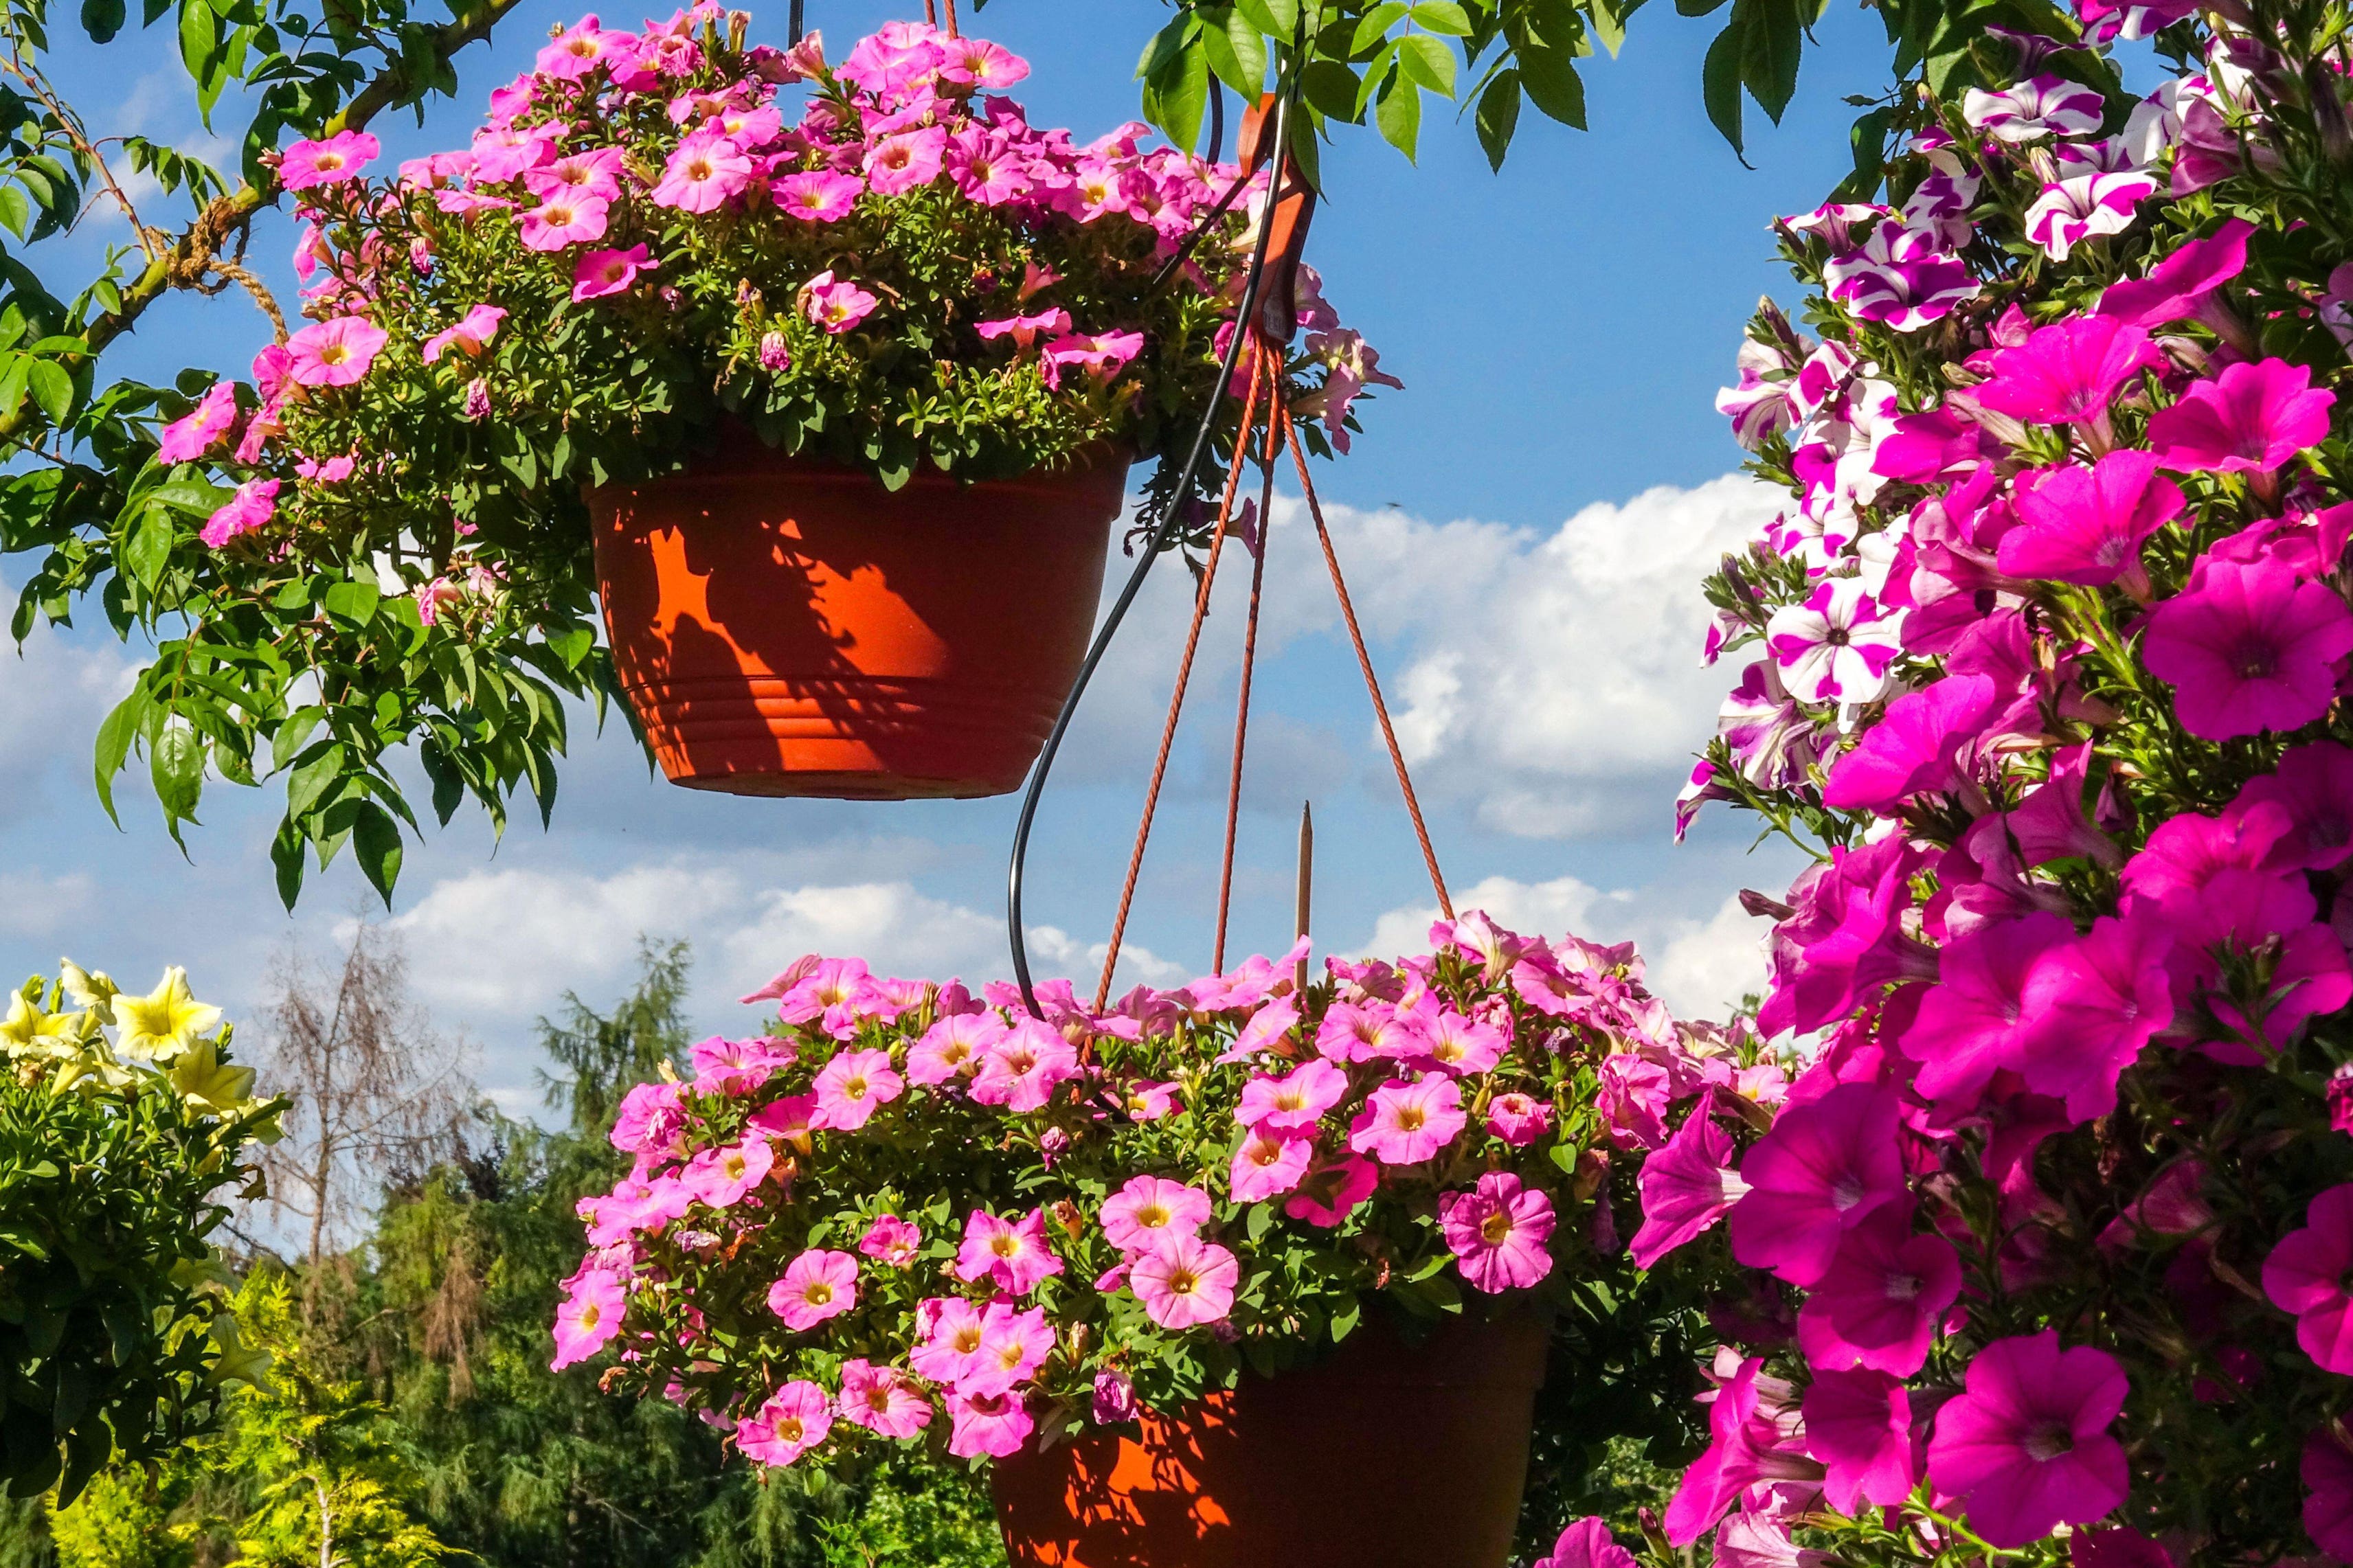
[(951, 21), (1249, 660), (1184, 666)]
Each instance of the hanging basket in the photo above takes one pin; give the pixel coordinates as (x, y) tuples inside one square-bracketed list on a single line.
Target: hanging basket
[(1387, 1455), (787, 626)]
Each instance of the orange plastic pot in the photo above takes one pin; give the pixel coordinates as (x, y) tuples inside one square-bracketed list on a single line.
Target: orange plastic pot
[(787, 626), (1385, 1457)]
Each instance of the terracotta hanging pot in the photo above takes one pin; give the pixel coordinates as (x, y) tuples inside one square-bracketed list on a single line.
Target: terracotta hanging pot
[(787, 626), (1387, 1455)]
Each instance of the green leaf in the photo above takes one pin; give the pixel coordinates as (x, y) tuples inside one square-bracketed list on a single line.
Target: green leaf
[(13, 383), (375, 840), (1330, 89), (149, 547), (1426, 61), (1442, 17), (114, 738), (15, 211), (175, 761), (1235, 52), (353, 603), (200, 52), (572, 646), (1773, 44), (52, 389), (194, 497), (1549, 73), (1375, 25), (1719, 86), (101, 19), (1499, 115), (1400, 116), (293, 731), (286, 859), (1175, 103), (1275, 18)]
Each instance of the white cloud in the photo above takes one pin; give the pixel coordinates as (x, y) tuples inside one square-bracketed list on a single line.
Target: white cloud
[(33, 906), (54, 690), (1705, 968)]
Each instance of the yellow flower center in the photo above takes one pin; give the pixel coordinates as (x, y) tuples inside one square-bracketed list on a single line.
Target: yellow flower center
[(1496, 1228), (1151, 1216), (1183, 1282), (817, 1294), (1409, 1119)]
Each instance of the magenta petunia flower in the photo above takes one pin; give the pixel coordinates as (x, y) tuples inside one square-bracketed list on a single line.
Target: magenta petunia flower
[(471, 333), (1330, 1194), (601, 272), (333, 353), (563, 219), (2068, 372), (1186, 1282), (817, 1285), (2327, 1472), (820, 196), (1267, 1163), (201, 428), (882, 1399), (1822, 1170), (901, 163), (991, 1425), (2092, 1003), (795, 1419), (588, 1317), (2248, 648), (1014, 1255), (2025, 1447), (2179, 286), (1405, 1123), (1859, 1425), (2306, 1274), (2083, 207), (891, 1240), (1454, 1043), (851, 1087), (1686, 1187), (986, 168), (1293, 1102), (1587, 1543), (1837, 646), (1752, 1425), (720, 1177), (703, 172), (1975, 1021), (2251, 419), (1881, 1299), (1498, 1231), (1137, 1217), (2087, 525), (650, 1120), (1918, 747), (1518, 1119), (837, 306), (1844, 936), (2314, 785), (341, 157)]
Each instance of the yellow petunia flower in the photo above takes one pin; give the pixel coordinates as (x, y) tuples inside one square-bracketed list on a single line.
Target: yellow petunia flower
[(28, 1031), (87, 987), (208, 1083), (160, 1025)]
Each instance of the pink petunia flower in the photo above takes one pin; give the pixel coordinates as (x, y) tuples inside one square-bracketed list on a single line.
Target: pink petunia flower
[(703, 172), (1837, 645), (341, 157), (1114, 1398), (601, 272), (1013, 1346), (851, 1087), (1186, 1282), (2025, 1447), (565, 219), (2248, 647), (2087, 525), (2181, 285), (890, 1240), (995, 1424), (1294, 1102), (1859, 1425), (2251, 419), (2327, 1472), (1517, 1119), (1686, 1187), (2306, 1273), (1014, 1255), (986, 168), (819, 195), (201, 428), (588, 1317), (469, 336), (1267, 1163), (1025, 331), (591, 174), (817, 1285), (1880, 1302), (333, 353), (1023, 1071), (1148, 1209), (953, 1047), (951, 1339), (1924, 744), (837, 306), (2092, 1003), (720, 1177), (1351, 1032), (1752, 1427), (1497, 1232), (1330, 1194), (1822, 1170), (1587, 1543), (1101, 356), (795, 1419), (1974, 1021), (1405, 1123), (882, 1399), (2068, 372), (252, 506), (898, 163), (575, 51), (1454, 1043)]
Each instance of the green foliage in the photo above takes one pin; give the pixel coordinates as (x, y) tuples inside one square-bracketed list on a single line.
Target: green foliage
[(115, 1343)]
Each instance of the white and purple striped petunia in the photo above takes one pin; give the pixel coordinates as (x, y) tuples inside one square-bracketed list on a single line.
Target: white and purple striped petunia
[(2045, 106), (1899, 277), (2075, 209)]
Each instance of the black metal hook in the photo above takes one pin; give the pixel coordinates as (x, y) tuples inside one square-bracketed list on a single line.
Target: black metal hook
[(1163, 538)]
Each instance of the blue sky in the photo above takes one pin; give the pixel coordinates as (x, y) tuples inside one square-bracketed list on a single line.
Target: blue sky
[(1524, 526)]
